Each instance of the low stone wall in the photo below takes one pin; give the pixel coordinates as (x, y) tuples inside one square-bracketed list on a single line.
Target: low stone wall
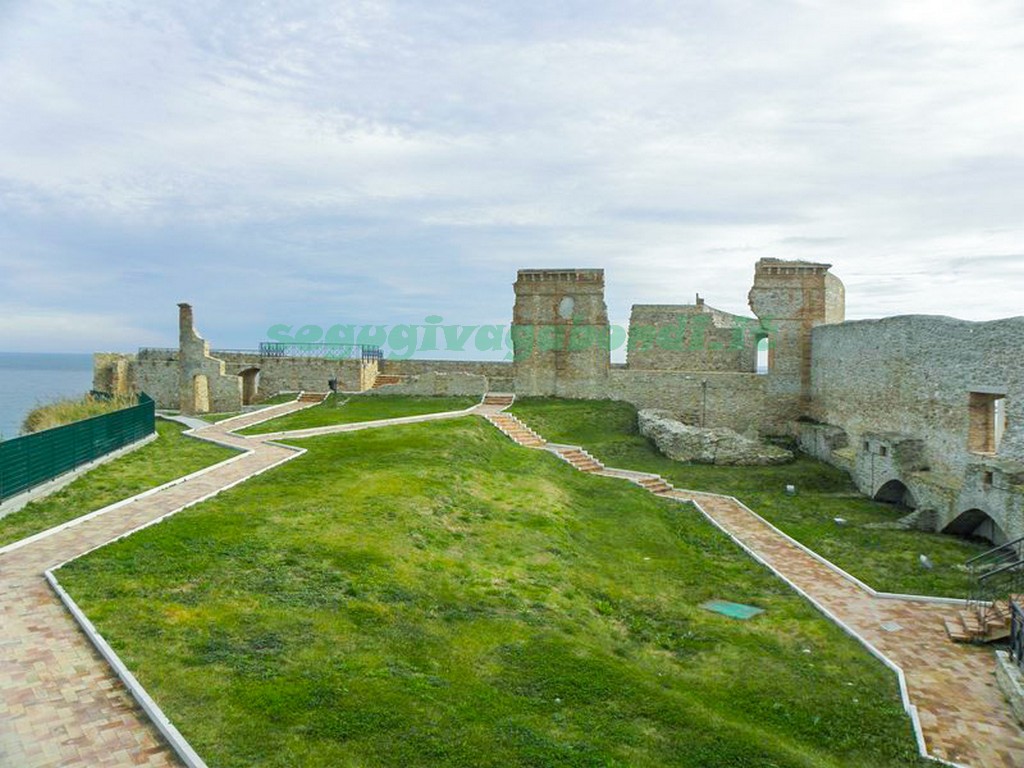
[(294, 374), (489, 368), (739, 401), (434, 383), (1011, 683), (112, 372)]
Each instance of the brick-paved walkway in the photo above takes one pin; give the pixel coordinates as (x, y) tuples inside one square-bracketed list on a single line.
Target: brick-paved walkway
[(60, 704), (964, 717)]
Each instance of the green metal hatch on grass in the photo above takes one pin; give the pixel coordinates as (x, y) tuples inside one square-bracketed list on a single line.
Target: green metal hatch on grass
[(732, 610)]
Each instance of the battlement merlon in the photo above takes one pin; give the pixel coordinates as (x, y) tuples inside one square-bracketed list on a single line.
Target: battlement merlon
[(561, 276), (771, 266)]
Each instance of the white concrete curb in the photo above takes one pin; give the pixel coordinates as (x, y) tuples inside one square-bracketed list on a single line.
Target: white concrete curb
[(117, 504), (163, 724), (166, 728), (333, 429), (908, 705)]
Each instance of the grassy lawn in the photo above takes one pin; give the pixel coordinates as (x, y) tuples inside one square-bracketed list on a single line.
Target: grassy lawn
[(888, 560), (433, 595), (171, 455), (348, 409)]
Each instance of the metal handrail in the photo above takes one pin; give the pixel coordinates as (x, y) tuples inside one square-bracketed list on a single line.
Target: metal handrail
[(995, 549), (1017, 634), (1011, 566)]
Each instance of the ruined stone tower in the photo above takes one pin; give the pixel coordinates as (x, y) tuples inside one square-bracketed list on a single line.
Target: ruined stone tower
[(560, 333), (790, 298), (202, 382)]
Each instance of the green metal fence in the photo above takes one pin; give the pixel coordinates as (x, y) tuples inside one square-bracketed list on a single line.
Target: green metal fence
[(31, 460)]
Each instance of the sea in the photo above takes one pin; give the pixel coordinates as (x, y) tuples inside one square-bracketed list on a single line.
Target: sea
[(31, 379)]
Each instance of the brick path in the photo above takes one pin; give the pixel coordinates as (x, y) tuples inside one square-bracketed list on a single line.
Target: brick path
[(60, 703), (963, 715)]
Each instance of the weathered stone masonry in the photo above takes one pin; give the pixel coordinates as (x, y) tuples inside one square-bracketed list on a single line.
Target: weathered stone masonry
[(910, 405), (927, 412)]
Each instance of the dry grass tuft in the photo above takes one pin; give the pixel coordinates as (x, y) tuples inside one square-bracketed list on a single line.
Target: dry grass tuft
[(65, 411)]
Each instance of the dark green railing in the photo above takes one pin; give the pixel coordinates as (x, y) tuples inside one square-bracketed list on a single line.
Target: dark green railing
[(31, 460)]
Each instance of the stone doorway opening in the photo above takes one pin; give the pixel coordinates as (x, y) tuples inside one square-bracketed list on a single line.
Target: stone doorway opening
[(250, 385), (200, 393)]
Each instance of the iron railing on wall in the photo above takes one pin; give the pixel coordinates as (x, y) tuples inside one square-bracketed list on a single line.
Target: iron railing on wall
[(1017, 633), (325, 350), (32, 460)]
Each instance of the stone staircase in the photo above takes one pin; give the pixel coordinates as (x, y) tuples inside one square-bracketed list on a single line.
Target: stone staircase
[(516, 430), (579, 458), (383, 380), (655, 484), (981, 623), (498, 399), (312, 397)]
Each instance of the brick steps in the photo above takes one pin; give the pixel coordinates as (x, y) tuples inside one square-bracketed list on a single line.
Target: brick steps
[(980, 624), (383, 380), (516, 430), (312, 397), (655, 484), (580, 459), (498, 399)]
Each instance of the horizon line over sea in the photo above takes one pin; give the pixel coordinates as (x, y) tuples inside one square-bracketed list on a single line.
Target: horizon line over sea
[(30, 379)]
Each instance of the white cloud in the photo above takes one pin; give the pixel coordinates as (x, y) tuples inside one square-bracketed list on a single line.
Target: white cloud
[(389, 151)]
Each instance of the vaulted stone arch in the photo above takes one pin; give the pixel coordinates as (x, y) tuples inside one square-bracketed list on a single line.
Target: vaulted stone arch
[(896, 492), (976, 523)]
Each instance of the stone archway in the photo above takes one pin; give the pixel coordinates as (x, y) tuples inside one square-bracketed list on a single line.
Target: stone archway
[(250, 384), (200, 393), (896, 492), (976, 523)]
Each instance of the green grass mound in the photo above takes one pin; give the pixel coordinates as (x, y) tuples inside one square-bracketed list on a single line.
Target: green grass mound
[(170, 456), (349, 409), (433, 595), (886, 559)]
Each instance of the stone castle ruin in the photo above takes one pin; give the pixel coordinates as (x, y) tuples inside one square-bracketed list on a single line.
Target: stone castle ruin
[(923, 411)]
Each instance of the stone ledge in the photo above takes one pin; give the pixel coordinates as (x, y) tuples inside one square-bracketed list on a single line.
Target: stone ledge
[(1011, 683)]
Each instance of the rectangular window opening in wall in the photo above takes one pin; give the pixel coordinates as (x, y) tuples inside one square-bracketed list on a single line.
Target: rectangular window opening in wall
[(987, 478), (986, 422), (867, 446), (764, 355), (883, 451)]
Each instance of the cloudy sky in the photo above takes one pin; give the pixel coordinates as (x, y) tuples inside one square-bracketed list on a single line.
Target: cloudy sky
[(377, 161)]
